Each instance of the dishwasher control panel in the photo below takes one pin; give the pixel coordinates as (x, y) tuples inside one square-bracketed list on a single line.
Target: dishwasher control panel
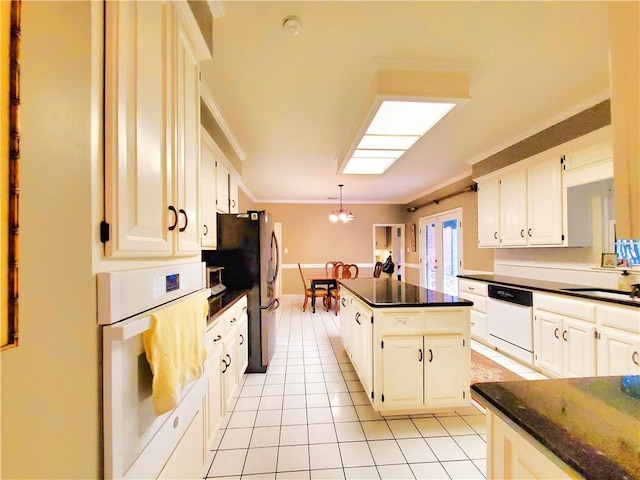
[(511, 295)]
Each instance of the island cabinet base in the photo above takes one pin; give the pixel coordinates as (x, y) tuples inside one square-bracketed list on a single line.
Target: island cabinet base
[(513, 453)]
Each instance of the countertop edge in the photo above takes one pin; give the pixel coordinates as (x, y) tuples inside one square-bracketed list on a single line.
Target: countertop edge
[(522, 283), (460, 303)]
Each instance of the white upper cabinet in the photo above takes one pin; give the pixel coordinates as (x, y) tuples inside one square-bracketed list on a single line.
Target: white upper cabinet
[(152, 131), (532, 201), (544, 203), (208, 191), (513, 208), (489, 213), (222, 187)]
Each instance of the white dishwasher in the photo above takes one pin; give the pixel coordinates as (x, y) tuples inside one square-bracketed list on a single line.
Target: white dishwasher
[(510, 321)]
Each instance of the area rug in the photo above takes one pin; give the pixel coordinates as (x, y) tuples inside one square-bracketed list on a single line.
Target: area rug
[(484, 369)]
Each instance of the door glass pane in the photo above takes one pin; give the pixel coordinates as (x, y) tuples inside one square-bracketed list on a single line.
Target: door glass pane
[(450, 256), (431, 260)]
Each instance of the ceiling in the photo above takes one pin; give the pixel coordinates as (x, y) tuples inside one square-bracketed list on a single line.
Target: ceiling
[(292, 101)]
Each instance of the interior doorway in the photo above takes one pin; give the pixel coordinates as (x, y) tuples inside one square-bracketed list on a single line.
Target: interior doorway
[(441, 251), (388, 239)]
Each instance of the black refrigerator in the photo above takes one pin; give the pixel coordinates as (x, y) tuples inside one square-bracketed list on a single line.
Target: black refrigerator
[(248, 251)]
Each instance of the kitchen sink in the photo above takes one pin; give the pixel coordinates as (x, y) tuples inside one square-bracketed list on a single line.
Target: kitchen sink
[(603, 293)]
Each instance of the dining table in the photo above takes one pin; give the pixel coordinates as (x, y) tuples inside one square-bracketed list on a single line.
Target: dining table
[(321, 280)]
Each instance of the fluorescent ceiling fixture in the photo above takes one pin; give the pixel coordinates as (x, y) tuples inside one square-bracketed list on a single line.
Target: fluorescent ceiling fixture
[(400, 107), (377, 153), (407, 118), (387, 142), (368, 166)]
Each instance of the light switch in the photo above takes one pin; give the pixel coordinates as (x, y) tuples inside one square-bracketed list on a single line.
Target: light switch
[(286, 250)]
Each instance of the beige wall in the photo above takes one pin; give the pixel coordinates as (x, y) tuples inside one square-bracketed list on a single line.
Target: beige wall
[(50, 383), (473, 258), (308, 237)]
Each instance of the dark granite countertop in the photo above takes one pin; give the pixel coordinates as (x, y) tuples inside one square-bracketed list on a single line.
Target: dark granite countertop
[(387, 292), (591, 424), (548, 286), (221, 302)]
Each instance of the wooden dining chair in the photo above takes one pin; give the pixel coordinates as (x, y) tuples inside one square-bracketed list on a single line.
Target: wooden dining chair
[(377, 270), (345, 271), (330, 267), (320, 292)]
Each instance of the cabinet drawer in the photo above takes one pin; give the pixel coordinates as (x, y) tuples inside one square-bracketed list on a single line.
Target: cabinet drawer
[(618, 317), (562, 305), (449, 321), (407, 322), (479, 303), (479, 325), (214, 335), (477, 288)]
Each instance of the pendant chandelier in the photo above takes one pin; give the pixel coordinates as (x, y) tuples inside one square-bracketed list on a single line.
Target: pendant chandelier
[(341, 214)]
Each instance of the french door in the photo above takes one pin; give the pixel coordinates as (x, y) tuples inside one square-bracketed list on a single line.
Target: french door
[(441, 251)]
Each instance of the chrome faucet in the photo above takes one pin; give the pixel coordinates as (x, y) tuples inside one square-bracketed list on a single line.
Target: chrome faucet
[(635, 291)]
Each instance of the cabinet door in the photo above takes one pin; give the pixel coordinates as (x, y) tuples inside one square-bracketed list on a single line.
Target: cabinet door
[(402, 372), (446, 371), (513, 208), (356, 339), (489, 213), (138, 168), (208, 191), (366, 356), (544, 203), (222, 187), (233, 195), (479, 325), (187, 144), (187, 460), (346, 314), (242, 346), (547, 343), (215, 410), (618, 353), (579, 348), (229, 365)]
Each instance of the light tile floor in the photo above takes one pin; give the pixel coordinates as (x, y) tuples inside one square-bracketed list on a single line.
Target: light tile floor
[(309, 418)]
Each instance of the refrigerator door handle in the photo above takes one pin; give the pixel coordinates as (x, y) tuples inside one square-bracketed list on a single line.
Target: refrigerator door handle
[(270, 307), (274, 241)]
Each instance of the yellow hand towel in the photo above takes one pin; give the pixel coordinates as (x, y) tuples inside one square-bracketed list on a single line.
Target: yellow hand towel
[(175, 349)]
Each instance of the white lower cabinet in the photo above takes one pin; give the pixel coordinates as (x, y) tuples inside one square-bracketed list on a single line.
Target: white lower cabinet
[(188, 460), (564, 345), (476, 292), (356, 328), (420, 371), (510, 455), (618, 352)]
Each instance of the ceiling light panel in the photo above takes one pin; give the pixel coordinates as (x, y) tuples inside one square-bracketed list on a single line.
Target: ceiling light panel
[(368, 166), (387, 142), (407, 118)]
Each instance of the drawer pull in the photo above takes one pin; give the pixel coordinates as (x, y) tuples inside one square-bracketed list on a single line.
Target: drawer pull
[(470, 289), (217, 339), (634, 358)]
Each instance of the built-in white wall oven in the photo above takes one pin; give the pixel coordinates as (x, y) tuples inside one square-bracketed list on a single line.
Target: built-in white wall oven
[(137, 443)]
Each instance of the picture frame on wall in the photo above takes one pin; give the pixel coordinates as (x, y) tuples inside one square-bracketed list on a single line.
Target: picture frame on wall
[(609, 260)]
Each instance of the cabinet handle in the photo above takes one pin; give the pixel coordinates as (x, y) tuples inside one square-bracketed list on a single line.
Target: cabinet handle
[(495, 235), (564, 335), (225, 365), (234, 320), (555, 333), (241, 339), (634, 358), (206, 229), (342, 302), (471, 289), (529, 232), (233, 203), (420, 350), (229, 364), (175, 218), (176, 422), (217, 339), (358, 316), (186, 220), (522, 233), (430, 355), (244, 308)]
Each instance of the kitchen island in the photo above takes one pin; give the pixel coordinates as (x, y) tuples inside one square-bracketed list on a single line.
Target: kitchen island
[(563, 428), (410, 346)]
